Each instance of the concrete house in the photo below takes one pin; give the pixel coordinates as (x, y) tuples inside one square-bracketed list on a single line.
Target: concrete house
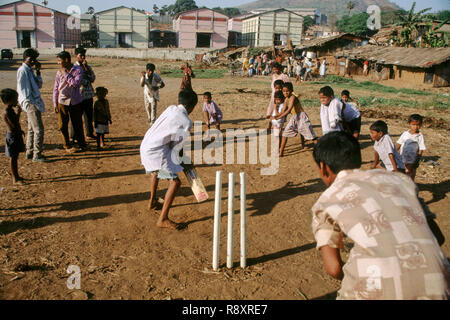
[(235, 31), (123, 27), (24, 24), (276, 27), (201, 28), (314, 13)]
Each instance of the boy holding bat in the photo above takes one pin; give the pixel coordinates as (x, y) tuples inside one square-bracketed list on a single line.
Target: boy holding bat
[(158, 152)]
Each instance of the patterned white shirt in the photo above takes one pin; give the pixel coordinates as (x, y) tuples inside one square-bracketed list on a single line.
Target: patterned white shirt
[(395, 254)]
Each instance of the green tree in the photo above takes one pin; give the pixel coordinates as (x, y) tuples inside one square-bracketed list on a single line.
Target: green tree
[(410, 24), (356, 24), (307, 23), (443, 15), (155, 9), (350, 6), (182, 6)]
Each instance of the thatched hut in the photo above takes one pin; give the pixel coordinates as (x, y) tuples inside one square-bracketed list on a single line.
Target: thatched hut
[(412, 65)]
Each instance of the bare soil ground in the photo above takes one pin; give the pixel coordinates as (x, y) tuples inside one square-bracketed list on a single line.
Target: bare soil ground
[(90, 209)]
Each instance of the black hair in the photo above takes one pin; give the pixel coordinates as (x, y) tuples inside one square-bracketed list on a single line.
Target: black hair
[(345, 93), (187, 98), (339, 150), (278, 83), (327, 91), (278, 95), (30, 52), (415, 117), (379, 126), (289, 86), (100, 90), (277, 65), (150, 66), (208, 94), (64, 55), (8, 95), (80, 50)]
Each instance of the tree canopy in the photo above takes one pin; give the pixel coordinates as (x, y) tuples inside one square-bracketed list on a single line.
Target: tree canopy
[(181, 6), (307, 23), (356, 24), (231, 12)]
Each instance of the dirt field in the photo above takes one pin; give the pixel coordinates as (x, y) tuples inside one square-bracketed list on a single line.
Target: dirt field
[(90, 209)]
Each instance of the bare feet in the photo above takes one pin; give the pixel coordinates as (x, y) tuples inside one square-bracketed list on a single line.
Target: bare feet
[(18, 182), (169, 224), (156, 205)]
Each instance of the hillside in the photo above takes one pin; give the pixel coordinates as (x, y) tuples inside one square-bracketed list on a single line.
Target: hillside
[(328, 7)]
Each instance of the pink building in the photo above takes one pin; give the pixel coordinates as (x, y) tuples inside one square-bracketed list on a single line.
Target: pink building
[(24, 24), (201, 28)]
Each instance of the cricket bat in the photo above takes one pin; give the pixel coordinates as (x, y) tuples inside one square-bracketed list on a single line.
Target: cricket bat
[(196, 184)]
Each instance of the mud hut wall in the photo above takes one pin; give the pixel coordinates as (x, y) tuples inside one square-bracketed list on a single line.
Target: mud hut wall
[(410, 75), (442, 75)]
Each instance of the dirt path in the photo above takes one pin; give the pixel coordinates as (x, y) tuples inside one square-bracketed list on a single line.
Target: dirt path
[(89, 209)]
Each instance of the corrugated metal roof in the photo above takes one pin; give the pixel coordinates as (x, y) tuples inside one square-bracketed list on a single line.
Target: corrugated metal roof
[(399, 56), (276, 10)]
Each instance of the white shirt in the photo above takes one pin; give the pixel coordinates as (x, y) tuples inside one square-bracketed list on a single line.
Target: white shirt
[(169, 130), (350, 112), (410, 146), (148, 87), (278, 123), (28, 86), (384, 147), (330, 116)]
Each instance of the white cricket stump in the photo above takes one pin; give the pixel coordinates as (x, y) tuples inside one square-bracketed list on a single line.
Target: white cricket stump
[(217, 218), (243, 220), (217, 209), (230, 220)]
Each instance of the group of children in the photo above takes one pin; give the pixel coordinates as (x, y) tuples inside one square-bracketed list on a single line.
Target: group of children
[(343, 115), (69, 84)]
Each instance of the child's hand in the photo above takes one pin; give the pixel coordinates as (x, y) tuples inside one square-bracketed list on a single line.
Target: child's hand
[(143, 73)]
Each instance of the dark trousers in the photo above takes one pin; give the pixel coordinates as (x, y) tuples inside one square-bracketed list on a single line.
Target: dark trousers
[(74, 114), (87, 109)]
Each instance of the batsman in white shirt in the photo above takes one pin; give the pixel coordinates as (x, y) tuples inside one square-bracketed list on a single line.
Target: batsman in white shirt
[(159, 153)]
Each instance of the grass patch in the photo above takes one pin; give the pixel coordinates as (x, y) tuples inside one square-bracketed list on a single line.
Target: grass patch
[(199, 73), (367, 85)]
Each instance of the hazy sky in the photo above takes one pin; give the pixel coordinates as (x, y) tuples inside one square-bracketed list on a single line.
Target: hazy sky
[(100, 5)]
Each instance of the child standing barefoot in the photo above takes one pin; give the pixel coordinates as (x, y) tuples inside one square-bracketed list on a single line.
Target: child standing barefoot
[(14, 134), (280, 107), (102, 116), (411, 145), (299, 123)]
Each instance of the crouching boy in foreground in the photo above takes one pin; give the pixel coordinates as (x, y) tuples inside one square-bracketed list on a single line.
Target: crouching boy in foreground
[(158, 152), (395, 256)]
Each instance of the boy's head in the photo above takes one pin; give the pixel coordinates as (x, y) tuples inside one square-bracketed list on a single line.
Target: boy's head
[(64, 59), (80, 54), (326, 94), (278, 85), (378, 129), (276, 68), (345, 94), (9, 97), (101, 92), (30, 56), (415, 123), (150, 68), (288, 88), (278, 98), (188, 98), (207, 97), (334, 152)]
